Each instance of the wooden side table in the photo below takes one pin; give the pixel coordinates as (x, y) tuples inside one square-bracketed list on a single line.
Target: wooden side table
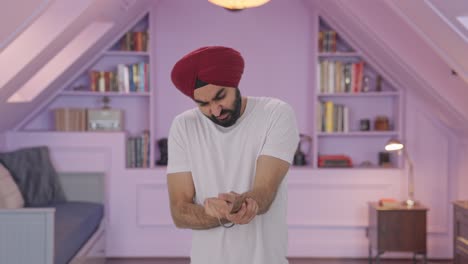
[(398, 228)]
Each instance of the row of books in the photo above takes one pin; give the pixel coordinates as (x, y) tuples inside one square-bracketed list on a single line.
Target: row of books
[(138, 150), (341, 77), (327, 41), (332, 117), (70, 119), (127, 78), (134, 41)]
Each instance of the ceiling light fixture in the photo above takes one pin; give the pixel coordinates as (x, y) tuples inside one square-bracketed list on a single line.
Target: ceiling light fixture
[(238, 4)]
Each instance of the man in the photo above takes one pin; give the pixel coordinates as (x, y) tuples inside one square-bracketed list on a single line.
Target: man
[(230, 148)]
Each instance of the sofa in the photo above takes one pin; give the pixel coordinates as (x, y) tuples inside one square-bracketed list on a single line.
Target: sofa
[(38, 224)]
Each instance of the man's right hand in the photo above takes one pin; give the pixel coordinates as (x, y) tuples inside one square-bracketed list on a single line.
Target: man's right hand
[(216, 207)]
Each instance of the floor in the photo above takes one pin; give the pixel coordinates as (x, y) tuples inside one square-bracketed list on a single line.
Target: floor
[(291, 261)]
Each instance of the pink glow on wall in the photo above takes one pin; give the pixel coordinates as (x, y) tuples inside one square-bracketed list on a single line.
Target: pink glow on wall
[(20, 19), (275, 40), (57, 65), (33, 41)]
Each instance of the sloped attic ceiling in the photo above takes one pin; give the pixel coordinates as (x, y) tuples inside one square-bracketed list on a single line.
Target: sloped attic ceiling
[(42, 39), (20, 19), (406, 50), (430, 19), (393, 34)]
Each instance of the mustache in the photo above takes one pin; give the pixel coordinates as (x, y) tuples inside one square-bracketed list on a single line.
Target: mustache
[(224, 111)]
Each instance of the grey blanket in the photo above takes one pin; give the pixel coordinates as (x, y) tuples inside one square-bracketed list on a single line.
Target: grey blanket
[(35, 175)]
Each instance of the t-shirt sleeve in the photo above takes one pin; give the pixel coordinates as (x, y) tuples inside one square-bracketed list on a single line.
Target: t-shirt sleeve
[(177, 148), (282, 137)]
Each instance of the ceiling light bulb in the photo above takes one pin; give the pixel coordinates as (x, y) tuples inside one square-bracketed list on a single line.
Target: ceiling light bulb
[(238, 4)]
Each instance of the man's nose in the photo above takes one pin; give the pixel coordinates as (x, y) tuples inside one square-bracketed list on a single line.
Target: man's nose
[(216, 109)]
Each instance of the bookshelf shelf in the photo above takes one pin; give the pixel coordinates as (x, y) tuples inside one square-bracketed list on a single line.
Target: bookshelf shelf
[(359, 94), (304, 173), (358, 134), (359, 168), (98, 94), (143, 171), (338, 54)]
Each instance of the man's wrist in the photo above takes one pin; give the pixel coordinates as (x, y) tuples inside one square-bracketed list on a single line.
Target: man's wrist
[(225, 223)]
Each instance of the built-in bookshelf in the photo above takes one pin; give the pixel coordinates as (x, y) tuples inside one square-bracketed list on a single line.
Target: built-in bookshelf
[(349, 95), (356, 111), (116, 84)]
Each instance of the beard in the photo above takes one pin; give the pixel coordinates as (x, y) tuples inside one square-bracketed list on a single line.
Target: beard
[(232, 114)]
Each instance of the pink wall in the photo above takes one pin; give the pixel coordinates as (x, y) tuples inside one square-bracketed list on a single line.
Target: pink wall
[(275, 41)]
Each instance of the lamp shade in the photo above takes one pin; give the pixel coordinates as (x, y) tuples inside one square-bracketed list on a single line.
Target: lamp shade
[(238, 4), (394, 145)]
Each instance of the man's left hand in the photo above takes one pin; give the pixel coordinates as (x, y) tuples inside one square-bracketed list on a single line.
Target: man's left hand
[(246, 213)]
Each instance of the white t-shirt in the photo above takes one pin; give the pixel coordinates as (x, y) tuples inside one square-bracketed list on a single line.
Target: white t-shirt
[(223, 160)]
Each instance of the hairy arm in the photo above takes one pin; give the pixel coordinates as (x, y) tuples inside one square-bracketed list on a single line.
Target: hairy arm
[(185, 213), (269, 174), (268, 177)]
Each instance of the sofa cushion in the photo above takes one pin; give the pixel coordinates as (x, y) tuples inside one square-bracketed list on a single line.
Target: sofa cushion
[(75, 223), (10, 196), (35, 175)]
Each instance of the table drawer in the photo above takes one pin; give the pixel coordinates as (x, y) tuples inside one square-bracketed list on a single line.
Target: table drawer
[(402, 231)]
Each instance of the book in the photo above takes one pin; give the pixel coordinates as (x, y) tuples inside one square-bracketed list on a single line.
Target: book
[(389, 202)]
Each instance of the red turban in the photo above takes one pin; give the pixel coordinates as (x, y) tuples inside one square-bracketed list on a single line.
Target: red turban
[(212, 65)]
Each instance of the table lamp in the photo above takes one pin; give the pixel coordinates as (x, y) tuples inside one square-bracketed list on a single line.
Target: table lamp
[(396, 145)]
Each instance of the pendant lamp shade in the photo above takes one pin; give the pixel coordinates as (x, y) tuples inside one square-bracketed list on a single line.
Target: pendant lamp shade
[(238, 4)]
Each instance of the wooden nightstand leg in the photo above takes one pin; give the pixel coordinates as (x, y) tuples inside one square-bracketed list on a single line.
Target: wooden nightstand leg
[(424, 258), (370, 254), (377, 259)]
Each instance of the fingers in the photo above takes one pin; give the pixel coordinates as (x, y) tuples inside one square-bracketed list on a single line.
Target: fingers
[(228, 197), (237, 217), (246, 214), (237, 204), (234, 199)]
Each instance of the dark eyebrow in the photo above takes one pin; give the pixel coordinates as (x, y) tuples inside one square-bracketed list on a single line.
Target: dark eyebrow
[(219, 93), (214, 98)]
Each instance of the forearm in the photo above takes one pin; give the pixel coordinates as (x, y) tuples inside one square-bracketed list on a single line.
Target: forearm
[(268, 177), (193, 216), (263, 197)]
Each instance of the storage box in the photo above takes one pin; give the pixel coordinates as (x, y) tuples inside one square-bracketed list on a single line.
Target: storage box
[(105, 120)]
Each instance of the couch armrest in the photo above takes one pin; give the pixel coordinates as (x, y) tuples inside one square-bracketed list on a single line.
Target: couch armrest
[(27, 235)]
